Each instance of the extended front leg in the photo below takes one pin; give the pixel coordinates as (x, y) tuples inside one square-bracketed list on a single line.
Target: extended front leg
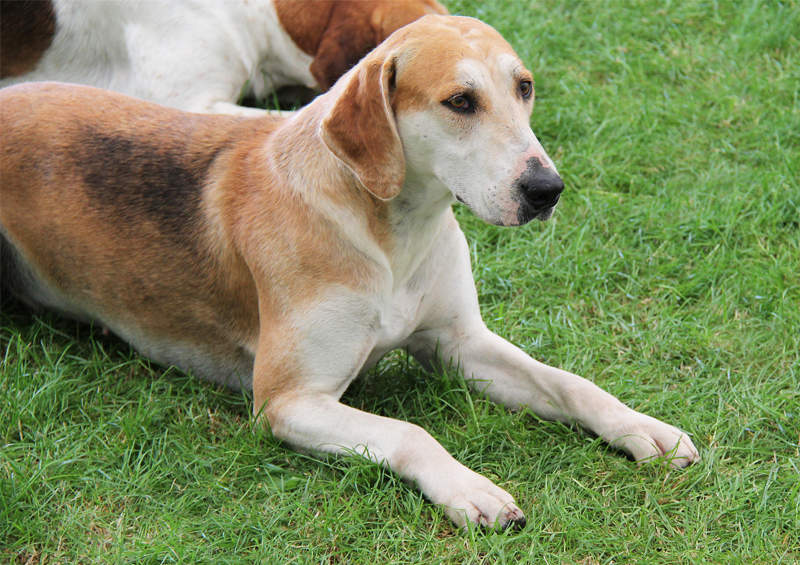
[(318, 421), (454, 331), (297, 389), (511, 377)]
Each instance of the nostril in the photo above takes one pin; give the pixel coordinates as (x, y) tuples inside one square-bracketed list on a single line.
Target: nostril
[(541, 187)]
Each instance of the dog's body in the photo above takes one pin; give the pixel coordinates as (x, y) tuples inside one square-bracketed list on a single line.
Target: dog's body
[(195, 55), (287, 255)]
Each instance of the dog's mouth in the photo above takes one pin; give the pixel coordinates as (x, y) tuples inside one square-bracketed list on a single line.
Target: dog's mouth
[(526, 212)]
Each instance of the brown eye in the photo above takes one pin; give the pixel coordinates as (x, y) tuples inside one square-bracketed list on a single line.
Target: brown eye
[(525, 89), (460, 103)]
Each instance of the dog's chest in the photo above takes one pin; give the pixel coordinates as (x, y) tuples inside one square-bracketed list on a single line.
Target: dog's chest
[(399, 316)]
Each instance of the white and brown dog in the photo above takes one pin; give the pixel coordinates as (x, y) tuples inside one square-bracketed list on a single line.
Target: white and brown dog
[(288, 255), (195, 55)]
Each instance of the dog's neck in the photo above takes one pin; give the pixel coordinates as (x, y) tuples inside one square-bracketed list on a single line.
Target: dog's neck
[(416, 216), (395, 234)]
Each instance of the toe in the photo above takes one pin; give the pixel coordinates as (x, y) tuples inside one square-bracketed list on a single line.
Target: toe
[(647, 438), (484, 504)]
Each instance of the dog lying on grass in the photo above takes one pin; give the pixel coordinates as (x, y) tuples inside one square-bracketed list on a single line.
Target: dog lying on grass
[(287, 255)]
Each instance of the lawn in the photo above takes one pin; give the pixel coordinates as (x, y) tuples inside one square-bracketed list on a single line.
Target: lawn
[(669, 275)]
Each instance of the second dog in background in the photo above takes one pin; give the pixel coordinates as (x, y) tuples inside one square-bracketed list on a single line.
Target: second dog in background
[(196, 56)]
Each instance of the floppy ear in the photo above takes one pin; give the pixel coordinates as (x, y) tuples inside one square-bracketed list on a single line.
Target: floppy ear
[(343, 43), (387, 17), (360, 129)]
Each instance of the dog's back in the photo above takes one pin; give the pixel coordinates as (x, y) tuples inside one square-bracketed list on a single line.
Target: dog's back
[(110, 183)]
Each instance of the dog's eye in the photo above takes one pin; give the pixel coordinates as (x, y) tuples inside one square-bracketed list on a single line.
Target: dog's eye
[(525, 89), (460, 103)]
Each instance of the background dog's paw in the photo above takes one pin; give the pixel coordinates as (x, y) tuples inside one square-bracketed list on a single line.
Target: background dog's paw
[(478, 501), (647, 438)]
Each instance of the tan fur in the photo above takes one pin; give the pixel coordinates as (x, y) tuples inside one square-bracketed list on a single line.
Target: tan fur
[(418, 90), (123, 255), (362, 133), (255, 225)]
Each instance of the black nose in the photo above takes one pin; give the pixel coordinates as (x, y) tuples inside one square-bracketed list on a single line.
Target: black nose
[(539, 186)]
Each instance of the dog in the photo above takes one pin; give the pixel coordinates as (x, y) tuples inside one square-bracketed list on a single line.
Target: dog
[(287, 255), (196, 55)]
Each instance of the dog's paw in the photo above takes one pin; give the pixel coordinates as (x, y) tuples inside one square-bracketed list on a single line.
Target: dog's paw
[(647, 438), (475, 499)]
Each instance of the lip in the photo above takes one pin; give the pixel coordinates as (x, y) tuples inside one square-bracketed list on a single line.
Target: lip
[(527, 213)]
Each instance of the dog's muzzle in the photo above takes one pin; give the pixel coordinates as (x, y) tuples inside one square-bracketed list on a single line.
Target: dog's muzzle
[(539, 189)]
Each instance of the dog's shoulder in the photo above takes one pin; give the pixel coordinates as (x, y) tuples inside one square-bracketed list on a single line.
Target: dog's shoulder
[(132, 159)]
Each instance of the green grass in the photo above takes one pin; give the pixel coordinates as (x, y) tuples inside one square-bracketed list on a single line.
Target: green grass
[(670, 276)]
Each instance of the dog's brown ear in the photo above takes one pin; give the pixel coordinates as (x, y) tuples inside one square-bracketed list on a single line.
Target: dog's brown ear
[(360, 129), (343, 43), (388, 17)]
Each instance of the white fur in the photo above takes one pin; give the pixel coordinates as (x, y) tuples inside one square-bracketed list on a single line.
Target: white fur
[(195, 55), (478, 165)]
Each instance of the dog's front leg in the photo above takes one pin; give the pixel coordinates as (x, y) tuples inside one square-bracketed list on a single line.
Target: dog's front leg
[(297, 389), (519, 381), (453, 330), (511, 377), (319, 422)]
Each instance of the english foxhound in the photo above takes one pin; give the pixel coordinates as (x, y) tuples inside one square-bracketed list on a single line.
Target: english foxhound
[(287, 255)]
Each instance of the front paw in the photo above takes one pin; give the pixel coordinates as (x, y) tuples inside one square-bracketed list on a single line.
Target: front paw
[(468, 497), (646, 438)]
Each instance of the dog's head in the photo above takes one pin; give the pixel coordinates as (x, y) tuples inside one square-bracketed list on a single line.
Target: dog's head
[(445, 103)]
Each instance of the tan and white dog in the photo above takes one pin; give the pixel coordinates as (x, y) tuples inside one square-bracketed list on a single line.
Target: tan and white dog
[(288, 255), (195, 55)]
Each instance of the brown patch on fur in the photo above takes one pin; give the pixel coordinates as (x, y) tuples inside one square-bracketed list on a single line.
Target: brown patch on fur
[(27, 28), (270, 208), (70, 162), (390, 15), (220, 240), (305, 22), (339, 33), (275, 371), (416, 88)]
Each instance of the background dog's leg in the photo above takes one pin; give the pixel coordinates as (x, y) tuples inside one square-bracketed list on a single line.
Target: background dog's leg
[(320, 422), (231, 109)]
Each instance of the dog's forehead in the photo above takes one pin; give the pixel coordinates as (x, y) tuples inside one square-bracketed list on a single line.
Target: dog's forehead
[(458, 37), (439, 50), (479, 73)]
